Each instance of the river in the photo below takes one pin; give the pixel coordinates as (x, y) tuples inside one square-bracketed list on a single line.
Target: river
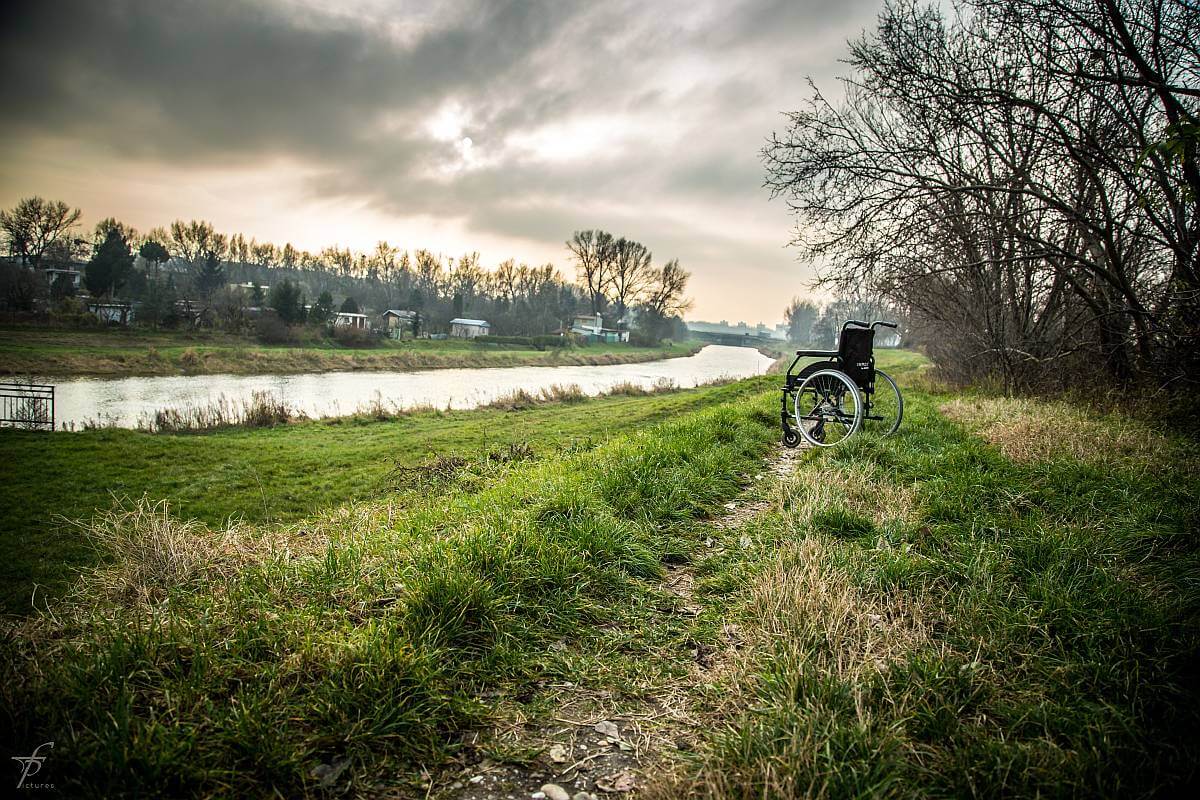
[(124, 402)]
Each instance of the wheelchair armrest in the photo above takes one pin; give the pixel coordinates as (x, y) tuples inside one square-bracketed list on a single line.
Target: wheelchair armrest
[(816, 353)]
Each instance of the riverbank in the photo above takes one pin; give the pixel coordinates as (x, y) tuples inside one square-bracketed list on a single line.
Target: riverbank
[(276, 474), (997, 601), (112, 353)]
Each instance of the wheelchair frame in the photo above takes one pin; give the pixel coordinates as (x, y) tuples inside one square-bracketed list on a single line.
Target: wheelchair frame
[(854, 361)]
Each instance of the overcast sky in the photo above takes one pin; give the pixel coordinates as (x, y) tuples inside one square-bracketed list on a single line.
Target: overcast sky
[(454, 126)]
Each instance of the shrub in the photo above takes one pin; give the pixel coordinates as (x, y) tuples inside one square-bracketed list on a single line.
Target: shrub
[(70, 311), (190, 360), (639, 339), (270, 329), (353, 337)]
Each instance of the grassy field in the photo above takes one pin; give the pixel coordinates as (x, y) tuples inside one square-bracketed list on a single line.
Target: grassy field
[(121, 352), (260, 475), (998, 601)]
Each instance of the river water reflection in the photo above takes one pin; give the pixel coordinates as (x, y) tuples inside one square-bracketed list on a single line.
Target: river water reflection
[(125, 401)]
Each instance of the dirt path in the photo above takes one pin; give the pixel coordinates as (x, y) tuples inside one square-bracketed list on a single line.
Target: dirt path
[(593, 745)]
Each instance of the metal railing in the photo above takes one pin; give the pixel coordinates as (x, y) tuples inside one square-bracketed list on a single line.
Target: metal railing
[(27, 405)]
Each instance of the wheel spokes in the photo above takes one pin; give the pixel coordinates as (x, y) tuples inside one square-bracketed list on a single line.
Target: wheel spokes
[(828, 408)]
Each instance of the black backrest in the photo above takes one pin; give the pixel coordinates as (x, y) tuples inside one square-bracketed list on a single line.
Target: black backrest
[(856, 347)]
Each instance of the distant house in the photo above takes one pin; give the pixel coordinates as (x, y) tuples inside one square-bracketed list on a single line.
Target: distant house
[(72, 276), (591, 327), (461, 328), (112, 313), (192, 311), (397, 321), (345, 319)]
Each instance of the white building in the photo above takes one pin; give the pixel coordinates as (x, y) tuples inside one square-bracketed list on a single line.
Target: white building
[(461, 328), (345, 319), (73, 276), (112, 313), (592, 327)]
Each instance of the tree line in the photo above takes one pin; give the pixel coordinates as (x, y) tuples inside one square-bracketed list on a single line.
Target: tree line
[(1019, 178), (193, 261)]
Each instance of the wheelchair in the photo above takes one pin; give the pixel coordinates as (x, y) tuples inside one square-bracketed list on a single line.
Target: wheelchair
[(832, 400)]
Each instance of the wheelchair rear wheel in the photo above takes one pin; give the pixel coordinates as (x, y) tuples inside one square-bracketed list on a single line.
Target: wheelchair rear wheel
[(887, 406), (828, 408)]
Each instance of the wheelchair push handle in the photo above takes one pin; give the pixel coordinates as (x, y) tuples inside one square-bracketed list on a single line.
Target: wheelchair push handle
[(871, 325)]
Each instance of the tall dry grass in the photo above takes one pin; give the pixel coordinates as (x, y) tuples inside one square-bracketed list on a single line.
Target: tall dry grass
[(148, 553), (1030, 430), (261, 410)]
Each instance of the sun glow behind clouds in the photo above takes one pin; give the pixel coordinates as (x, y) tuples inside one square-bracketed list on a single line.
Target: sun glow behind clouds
[(593, 137), (449, 125), (564, 141), (573, 139)]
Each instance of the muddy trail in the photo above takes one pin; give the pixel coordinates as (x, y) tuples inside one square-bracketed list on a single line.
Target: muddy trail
[(593, 743)]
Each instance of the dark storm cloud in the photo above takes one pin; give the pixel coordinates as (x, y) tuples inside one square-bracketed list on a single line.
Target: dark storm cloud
[(202, 80), (349, 91)]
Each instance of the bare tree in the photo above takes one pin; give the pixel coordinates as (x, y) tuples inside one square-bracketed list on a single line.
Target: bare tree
[(665, 294), (240, 249), (664, 300), (631, 273), (289, 258), (980, 174), (594, 260), (341, 260), (108, 224), (194, 241), (382, 263), (263, 255), (35, 225), (504, 280), (429, 273)]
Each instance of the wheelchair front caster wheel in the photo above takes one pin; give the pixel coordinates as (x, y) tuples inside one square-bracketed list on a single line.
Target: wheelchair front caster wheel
[(791, 439)]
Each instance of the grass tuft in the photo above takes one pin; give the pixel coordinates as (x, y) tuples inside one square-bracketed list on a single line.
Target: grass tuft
[(147, 553)]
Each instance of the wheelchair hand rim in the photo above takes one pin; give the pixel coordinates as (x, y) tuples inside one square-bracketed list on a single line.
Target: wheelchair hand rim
[(830, 388)]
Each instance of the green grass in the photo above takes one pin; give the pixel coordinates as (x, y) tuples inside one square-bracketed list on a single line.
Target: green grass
[(276, 474), (105, 352), (932, 618), (235, 663), (1000, 601)]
